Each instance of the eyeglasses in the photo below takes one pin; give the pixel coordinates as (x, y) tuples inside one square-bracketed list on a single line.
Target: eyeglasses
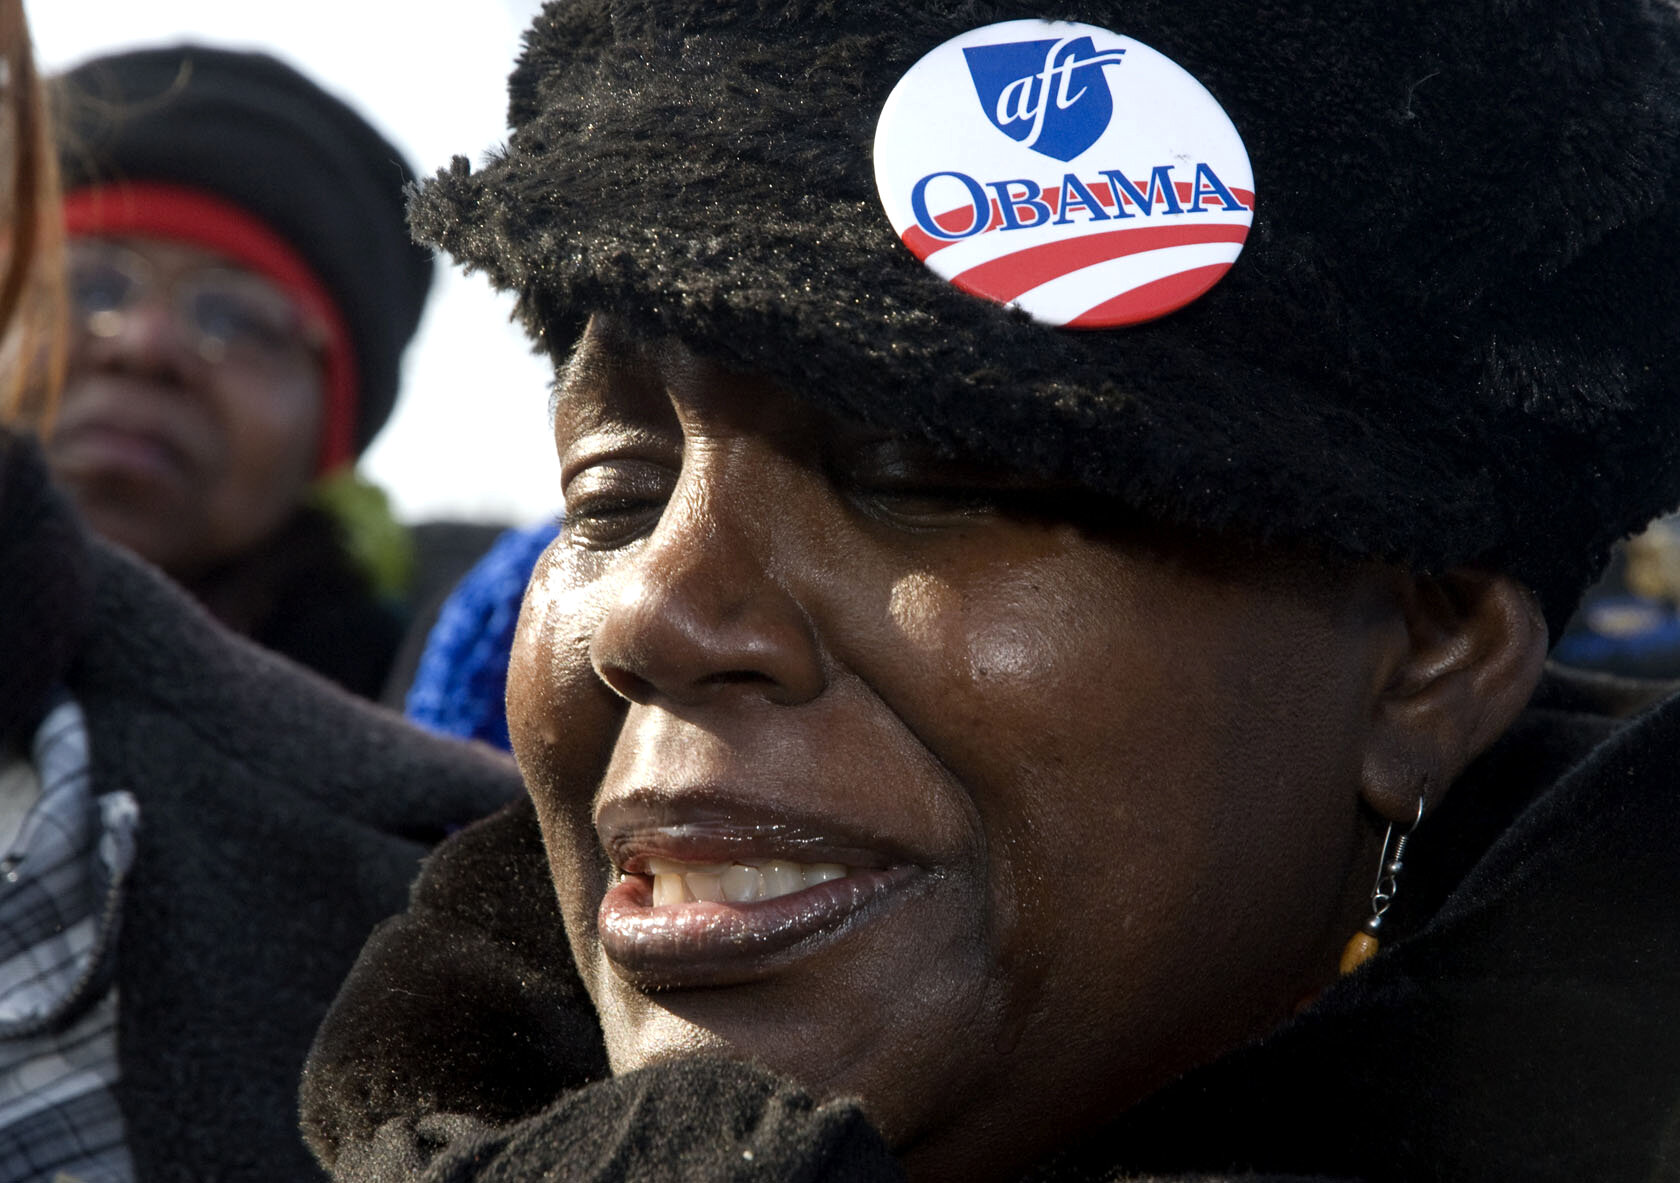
[(226, 315)]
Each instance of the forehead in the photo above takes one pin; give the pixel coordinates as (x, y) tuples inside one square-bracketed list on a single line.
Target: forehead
[(615, 374)]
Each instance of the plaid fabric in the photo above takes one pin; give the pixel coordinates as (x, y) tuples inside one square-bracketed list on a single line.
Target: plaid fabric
[(60, 903)]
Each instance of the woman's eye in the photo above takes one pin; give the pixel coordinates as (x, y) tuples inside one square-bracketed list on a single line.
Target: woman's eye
[(901, 483), (928, 504), (614, 503)]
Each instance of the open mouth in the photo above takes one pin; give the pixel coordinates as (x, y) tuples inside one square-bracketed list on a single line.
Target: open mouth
[(736, 883), (670, 924)]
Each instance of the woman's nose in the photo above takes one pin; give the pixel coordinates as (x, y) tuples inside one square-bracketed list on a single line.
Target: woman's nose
[(699, 616)]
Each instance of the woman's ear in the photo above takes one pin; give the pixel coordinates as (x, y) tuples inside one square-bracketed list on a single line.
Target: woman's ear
[(1474, 644)]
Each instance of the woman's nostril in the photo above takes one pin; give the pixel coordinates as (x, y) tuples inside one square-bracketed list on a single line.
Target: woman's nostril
[(734, 677), (636, 688), (628, 685)]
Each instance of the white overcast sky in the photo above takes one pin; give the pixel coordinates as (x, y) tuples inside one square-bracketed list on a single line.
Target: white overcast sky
[(469, 437)]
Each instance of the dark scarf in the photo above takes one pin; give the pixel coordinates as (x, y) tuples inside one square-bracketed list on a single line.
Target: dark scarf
[(299, 594)]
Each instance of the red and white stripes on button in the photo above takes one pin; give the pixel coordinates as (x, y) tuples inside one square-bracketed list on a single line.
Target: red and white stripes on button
[(1064, 170)]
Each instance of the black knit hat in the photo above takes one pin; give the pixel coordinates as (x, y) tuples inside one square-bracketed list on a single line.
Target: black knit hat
[(254, 132), (1450, 337)]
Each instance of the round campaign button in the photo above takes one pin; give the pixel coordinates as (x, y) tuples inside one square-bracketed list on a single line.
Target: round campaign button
[(1066, 170)]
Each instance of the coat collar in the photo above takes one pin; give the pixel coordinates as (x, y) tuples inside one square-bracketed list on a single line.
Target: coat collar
[(45, 590)]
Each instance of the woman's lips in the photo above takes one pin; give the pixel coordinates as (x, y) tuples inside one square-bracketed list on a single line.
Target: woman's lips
[(109, 449), (720, 887), (134, 429), (696, 943)]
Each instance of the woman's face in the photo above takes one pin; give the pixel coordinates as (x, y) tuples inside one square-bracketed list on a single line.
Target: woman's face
[(1056, 808), (186, 454)]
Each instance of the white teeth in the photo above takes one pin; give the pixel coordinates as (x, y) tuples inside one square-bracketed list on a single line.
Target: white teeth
[(668, 890), (781, 878), (667, 866), (677, 883), (742, 884), (705, 887)]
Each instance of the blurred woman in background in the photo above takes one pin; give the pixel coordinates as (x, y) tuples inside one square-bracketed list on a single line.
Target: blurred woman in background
[(242, 288), (195, 836)]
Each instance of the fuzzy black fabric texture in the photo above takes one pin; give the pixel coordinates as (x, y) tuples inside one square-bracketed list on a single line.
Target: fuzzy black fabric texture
[(252, 130), (1523, 1026), (280, 819), (50, 588), (1450, 337), (681, 1122)]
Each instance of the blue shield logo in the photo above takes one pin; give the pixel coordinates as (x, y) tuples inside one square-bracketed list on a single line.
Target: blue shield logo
[(1051, 96)]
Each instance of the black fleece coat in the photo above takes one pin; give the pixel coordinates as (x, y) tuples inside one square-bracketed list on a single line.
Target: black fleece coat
[(1528, 1027), (279, 820)]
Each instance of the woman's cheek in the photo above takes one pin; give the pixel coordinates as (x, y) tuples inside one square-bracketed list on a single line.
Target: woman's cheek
[(1005, 657), (562, 718), (972, 643)]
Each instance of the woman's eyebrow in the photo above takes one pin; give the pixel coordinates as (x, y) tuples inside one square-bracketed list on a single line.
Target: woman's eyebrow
[(578, 407), (602, 391), (570, 374)]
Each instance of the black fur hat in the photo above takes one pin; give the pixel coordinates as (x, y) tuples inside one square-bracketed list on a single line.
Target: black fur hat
[(251, 130), (1450, 338)]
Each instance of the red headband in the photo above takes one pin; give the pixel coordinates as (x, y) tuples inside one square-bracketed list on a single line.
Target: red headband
[(194, 216)]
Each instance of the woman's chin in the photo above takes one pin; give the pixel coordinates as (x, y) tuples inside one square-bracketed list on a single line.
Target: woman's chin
[(944, 1121), (902, 1059)]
